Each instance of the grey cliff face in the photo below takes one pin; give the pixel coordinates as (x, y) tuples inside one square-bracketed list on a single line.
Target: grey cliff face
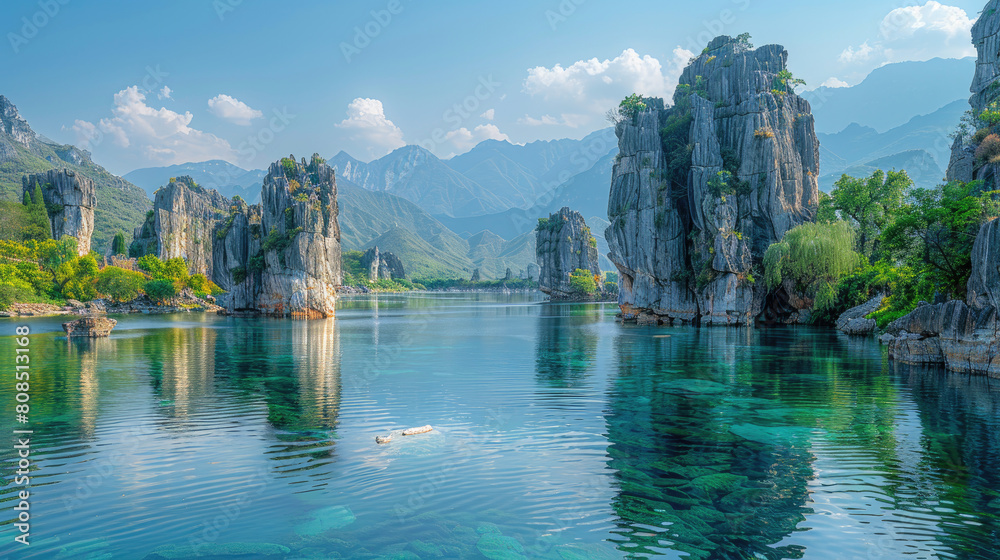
[(283, 256), (986, 38), (14, 124), (382, 265), (686, 240), (564, 244), (183, 221), (69, 199)]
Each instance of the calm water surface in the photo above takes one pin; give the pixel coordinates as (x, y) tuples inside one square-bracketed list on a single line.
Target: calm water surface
[(558, 434)]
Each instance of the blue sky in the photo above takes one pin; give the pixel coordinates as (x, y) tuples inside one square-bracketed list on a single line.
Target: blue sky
[(145, 84)]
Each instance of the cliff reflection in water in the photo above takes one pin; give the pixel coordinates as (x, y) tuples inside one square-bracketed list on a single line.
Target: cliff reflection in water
[(712, 435), (566, 348)]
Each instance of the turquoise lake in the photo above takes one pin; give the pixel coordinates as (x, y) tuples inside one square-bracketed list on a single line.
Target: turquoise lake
[(558, 433)]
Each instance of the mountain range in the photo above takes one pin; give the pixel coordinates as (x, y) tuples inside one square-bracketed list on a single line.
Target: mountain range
[(230, 180), (892, 94)]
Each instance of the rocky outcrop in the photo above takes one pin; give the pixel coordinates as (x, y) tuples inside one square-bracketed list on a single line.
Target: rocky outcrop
[(69, 199), (382, 265), (182, 224), (563, 245), (686, 239), (853, 320), (14, 124), (282, 257), (960, 335), (963, 165), (90, 327)]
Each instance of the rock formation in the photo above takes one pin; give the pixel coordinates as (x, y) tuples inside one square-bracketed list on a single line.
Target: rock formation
[(282, 257), (965, 335), (382, 265), (13, 124), (182, 223), (69, 200), (963, 165), (564, 244), (687, 240), (853, 320), (90, 327), (960, 335)]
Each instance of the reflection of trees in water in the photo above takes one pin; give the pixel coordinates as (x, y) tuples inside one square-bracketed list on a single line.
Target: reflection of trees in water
[(960, 420), (566, 347), (710, 433)]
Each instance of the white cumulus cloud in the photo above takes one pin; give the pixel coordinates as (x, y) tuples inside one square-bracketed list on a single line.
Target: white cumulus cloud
[(164, 93), (582, 92), (834, 82), (489, 115), (464, 139), (233, 110), (571, 120), (367, 125), (916, 33), (142, 135)]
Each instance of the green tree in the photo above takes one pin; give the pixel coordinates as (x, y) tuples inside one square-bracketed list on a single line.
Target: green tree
[(160, 290), (118, 246), (152, 265), (815, 256), (38, 226), (870, 205), (77, 278), (176, 269), (120, 285), (583, 282), (937, 229)]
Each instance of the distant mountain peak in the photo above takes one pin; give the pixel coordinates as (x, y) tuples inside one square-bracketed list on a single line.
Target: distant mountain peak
[(14, 124)]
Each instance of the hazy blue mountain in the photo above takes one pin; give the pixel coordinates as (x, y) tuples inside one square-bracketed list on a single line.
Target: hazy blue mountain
[(491, 178), (228, 179), (420, 177), (522, 174), (857, 144), (918, 164), (586, 192), (427, 247), (891, 95)]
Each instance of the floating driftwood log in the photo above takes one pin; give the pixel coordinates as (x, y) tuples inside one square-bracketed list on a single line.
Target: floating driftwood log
[(406, 432)]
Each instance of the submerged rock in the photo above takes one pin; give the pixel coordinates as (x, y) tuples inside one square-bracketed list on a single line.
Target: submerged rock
[(685, 239), (242, 551), (564, 244), (90, 327), (325, 519), (69, 200)]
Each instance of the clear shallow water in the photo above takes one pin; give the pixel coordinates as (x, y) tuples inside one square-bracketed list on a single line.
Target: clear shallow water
[(558, 434)]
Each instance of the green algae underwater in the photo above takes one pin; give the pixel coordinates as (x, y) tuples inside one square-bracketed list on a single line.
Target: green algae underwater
[(558, 434)]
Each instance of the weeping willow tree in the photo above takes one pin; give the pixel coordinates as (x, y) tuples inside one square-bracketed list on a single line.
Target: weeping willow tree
[(815, 256)]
